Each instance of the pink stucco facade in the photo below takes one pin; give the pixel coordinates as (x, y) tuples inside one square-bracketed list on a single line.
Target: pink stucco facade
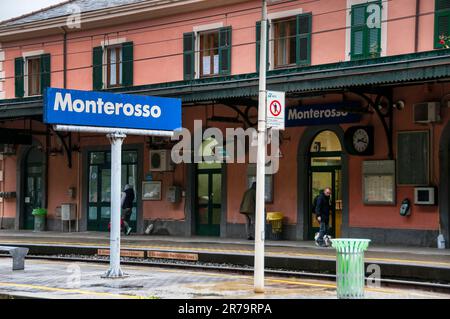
[(158, 48)]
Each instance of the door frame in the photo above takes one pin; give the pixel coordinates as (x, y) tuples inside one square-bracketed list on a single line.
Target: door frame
[(210, 172), (191, 217), (303, 158), (84, 180), (444, 184), (22, 156), (324, 169)]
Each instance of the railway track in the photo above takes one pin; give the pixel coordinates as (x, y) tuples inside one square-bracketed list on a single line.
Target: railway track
[(228, 268)]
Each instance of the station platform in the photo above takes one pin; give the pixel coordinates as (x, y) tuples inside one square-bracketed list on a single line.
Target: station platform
[(396, 262), (44, 279)]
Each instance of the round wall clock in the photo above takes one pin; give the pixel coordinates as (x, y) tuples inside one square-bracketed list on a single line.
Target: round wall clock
[(359, 140)]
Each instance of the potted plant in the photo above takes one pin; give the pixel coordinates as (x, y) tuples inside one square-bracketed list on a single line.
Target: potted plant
[(444, 41), (39, 218)]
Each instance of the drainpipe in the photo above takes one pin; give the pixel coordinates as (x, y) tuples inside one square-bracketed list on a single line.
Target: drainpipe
[(64, 58), (416, 34)]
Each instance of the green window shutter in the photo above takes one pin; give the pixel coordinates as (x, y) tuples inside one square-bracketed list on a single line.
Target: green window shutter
[(189, 56), (258, 44), (127, 64), (374, 42), (358, 32), (303, 39), (225, 50), (97, 68), (45, 72), (442, 4), (441, 21), (373, 49), (18, 77)]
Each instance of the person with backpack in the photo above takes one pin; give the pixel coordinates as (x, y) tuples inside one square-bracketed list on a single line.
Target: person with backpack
[(322, 209), (127, 206)]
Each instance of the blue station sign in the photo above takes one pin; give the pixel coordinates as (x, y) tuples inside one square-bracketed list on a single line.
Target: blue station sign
[(322, 114), (87, 108)]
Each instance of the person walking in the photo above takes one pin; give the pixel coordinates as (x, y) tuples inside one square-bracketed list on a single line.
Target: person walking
[(127, 207), (322, 210), (248, 207)]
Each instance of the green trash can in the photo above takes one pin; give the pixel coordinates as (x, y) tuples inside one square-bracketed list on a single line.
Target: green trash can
[(350, 273), (40, 215)]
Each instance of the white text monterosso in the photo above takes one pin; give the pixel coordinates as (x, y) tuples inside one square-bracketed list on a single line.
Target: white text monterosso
[(65, 104)]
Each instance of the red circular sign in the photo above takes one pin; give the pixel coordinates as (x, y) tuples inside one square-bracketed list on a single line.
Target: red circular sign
[(275, 108)]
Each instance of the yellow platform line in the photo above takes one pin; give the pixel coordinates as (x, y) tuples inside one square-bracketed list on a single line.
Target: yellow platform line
[(73, 291), (243, 251)]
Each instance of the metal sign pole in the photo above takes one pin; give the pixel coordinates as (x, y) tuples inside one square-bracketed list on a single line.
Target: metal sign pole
[(261, 160), (116, 140)]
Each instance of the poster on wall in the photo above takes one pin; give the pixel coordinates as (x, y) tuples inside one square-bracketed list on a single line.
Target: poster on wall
[(379, 182), (268, 182), (378, 189), (151, 190)]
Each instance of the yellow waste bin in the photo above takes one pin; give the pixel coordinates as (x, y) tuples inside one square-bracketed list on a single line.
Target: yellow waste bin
[(274, 225)]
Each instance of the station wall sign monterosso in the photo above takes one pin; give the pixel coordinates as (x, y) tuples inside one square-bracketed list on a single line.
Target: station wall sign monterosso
[(322, 114), (101, 109)]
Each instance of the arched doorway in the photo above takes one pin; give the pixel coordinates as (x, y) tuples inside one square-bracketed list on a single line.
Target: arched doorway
[(209, 191), (33, 181), (444, 184), (325, 170)]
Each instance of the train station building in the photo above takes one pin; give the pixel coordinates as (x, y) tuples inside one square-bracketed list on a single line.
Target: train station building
[(367, 88)]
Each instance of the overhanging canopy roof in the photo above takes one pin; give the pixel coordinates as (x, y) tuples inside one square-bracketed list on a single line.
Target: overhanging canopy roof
[(386, 71)]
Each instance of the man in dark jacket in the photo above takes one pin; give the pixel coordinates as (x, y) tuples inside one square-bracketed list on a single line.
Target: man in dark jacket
[(248, 207), (322, 211), (127, 206)]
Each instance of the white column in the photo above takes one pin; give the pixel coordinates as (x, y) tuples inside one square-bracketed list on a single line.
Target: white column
[(116, 140), (261, 160)]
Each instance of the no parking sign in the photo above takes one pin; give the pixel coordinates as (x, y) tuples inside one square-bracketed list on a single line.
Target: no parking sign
[(275, 115)]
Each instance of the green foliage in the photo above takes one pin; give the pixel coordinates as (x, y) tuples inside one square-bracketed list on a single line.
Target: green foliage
[(39, 212)]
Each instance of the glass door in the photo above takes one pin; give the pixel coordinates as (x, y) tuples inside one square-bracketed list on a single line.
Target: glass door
[(209, 198), (33, 195), (325, 171), (99, 187), (320, 179)]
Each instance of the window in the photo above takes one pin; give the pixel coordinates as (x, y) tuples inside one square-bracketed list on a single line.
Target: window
[(207, 53), (32, 75), (113, 66), (284, 42), (289, 40), (442, 22), (366, 30)]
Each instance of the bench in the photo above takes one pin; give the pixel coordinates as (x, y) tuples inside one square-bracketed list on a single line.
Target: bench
[(18, 254)]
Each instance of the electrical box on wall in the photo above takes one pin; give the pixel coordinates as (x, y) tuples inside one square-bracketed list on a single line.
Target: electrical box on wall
[(425, 196), (71, 192), (8, 195), (68, 212), (427, 112), (160, 161), (174, 194)]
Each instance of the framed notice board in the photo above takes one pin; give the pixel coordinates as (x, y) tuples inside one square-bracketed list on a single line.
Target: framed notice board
[(268, 181), (379, 182), (413, 158)]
